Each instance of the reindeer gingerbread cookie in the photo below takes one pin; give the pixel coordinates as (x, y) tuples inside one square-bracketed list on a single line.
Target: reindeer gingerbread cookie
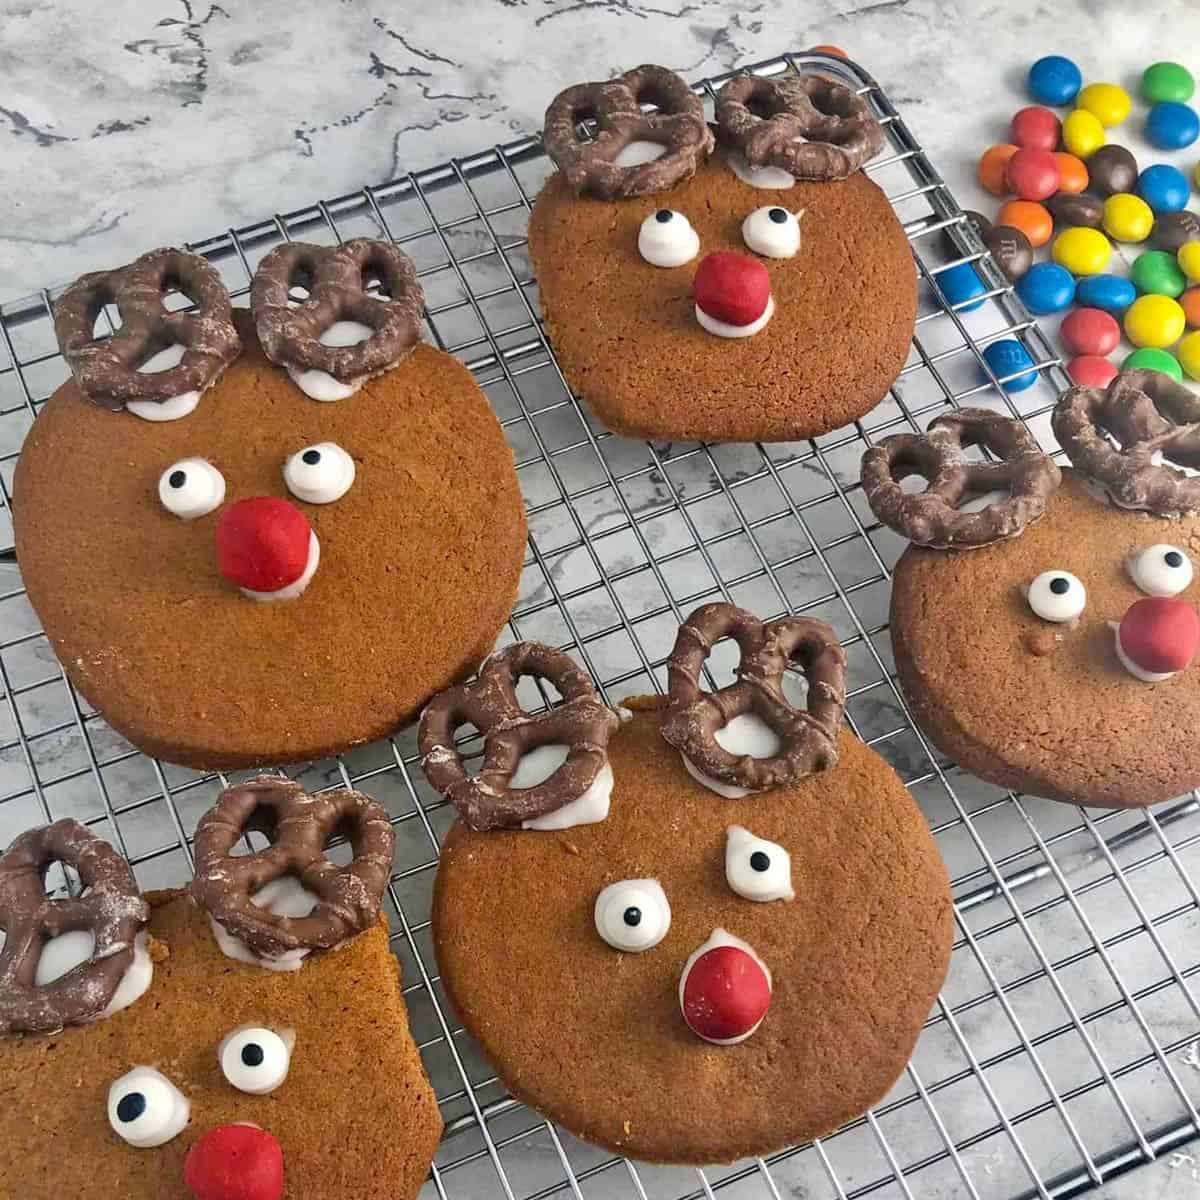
[(1045, 642), (244, 1040), (755, 286), (721, 896), (238, 564)]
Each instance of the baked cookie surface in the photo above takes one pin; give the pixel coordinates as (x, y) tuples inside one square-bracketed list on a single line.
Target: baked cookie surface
[(594, 1037), (419, 560)]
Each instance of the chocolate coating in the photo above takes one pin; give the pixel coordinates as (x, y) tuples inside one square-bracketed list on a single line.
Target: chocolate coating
[(1112, 169), (1173, 230), (1011, 249), (1081, 208)]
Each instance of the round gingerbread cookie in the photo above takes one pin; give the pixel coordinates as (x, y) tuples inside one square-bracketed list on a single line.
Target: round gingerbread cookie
[(268, 578), (703, 297), (582, 960)]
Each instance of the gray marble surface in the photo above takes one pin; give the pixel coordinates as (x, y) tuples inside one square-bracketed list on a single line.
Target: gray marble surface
[(151, 121)]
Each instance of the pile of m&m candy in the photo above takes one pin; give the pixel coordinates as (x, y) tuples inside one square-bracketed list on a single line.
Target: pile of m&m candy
[(1066, 187)]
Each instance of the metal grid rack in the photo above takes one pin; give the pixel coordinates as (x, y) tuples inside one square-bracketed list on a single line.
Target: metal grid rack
[(1062, 1051)]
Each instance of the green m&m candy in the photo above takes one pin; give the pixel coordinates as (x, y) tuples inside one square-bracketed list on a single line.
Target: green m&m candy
[(1158, 273), (1167, 81), (1150, 359)]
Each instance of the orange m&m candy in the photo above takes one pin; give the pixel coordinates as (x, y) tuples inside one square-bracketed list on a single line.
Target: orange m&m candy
[(1072, 174), (992, 167), (1030, 217), (1190, 302), (836, 51)]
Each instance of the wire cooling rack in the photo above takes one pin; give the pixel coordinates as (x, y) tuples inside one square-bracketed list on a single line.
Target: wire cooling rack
[(1063, 1049)]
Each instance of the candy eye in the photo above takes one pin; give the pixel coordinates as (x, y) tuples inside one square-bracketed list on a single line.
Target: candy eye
[(146, 1109), (667, 239), (1160, 570), (254, 1060), (1057, 596), (755, 868), (319, 474), (191, 488), (633, 915), (772, 231)]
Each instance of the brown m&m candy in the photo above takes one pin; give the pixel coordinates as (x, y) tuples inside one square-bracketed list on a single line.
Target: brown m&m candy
[(1082, 209), (1172, 230), (975, 220), (1112, 169), (1011, 249)]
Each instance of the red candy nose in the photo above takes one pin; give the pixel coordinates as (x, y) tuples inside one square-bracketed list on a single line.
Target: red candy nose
[(262, 544), (235, 1162), (1160, 634), (731, 287), (725, 990)]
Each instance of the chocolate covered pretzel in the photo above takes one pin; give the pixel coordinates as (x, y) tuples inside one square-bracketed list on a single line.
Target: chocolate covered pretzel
[(616, 107), (111, 908), (582, 722), (808, 737), (1132, 439), (299, 827), (107, 369), (335, 279), (932, 517), (807, 125)]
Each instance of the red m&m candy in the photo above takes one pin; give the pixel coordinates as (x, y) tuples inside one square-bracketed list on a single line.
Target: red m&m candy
[(1032, 174), (1090, 331), (1090, 370), (1036, 128)]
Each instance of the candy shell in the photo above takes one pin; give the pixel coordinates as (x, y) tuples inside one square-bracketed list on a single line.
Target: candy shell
[(961, 284), (1054, 80), (1011, 250), (1089, 370), (1171, 125), (1188, 351), (1072, 173), (833, 51), (1190, 303), (1150, 359), (1158, 273), (992, 165), (1082, 251), (1154, 321), (1113, 293), (1167, 81), (1188, 258), (1107, 102), (1079, 208), (1173, 230), (1128, 218), (1032, 174), (1090, 331), (1082, 133), (1164, 187), (1009, 357), (1030, 217), (1035, 128), (1112, 169), (1046, 288)]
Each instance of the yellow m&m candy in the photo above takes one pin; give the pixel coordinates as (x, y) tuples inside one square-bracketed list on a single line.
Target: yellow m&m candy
[(1107, 102), (1082, 133), (1189, 260), (1188, 352), (1083, 251), (1128, 218), (1154, 320)]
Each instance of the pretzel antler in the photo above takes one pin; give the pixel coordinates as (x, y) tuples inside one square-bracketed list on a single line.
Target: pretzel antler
[(589, 166), (300, 826), (582, 722), (813, 127), (107, 371), (808, 739), (931, 517), (1154, 423), (112, 909)]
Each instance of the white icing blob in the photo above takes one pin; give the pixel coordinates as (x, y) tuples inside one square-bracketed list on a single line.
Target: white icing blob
[(201, 490), (1063, 605), (632, 914), (346, 333), (539, 764), (320, 385), (747, 873), (292, 590), (637, 153), (165, 1109), (772, 231), (723, 329), (667, 243), (67, 951), (327, 479), (164, 360), (137, 978), (1132, 667), (285, 897), (722, 937), (164, 410), (239, 1068), (771, 178), (1160, 570)]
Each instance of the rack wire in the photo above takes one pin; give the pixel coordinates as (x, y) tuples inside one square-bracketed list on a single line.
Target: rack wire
[(1063, 1050)]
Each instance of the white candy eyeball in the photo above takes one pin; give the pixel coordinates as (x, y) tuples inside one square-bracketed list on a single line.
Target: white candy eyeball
[(319, 474), (755, 868), (667, 239), (772, 231), (1160, 570), (191, 488), (146, 1109), (633, 915), (1057, 596), (254, 1060)]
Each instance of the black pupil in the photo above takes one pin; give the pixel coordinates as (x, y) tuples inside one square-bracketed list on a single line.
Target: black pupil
[(778, 215), (1060, 586), (131, 1107), (760, 860), (1173, 558), (663, 216), (252, 1054), (312, 457), (633, 915), (177, 479)]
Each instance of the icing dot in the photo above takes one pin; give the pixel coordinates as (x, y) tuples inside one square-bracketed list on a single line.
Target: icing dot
[(312, 457), (633, 916), (663, 216), (760, 861), (131, 1106), (1173, 558), (252, 1054), (1060, 586), (177, 479), (778, 215)]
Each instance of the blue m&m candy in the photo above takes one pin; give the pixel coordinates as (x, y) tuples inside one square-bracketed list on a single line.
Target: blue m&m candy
[(960, 284), (1171, 125), (1009, 357), (1047, 288), (1113, 293), (1164, 187), (1054, 80)]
